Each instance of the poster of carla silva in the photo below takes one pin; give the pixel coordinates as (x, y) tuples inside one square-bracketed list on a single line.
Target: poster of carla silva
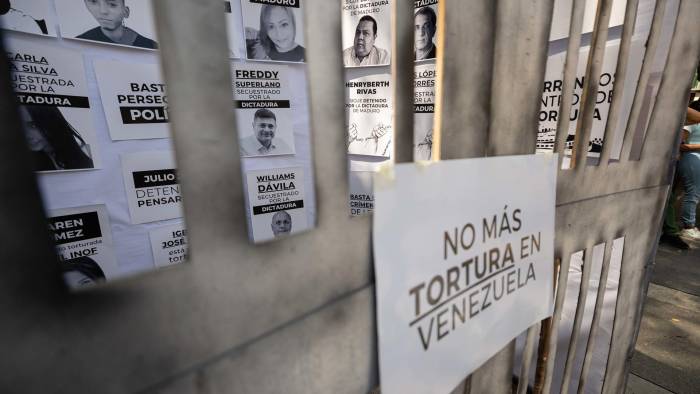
[(125, 23), (54, 107), (27, 16), (134, 98), (83, 240), (276, 203), (366, 33), (274, 30), (152, 186)]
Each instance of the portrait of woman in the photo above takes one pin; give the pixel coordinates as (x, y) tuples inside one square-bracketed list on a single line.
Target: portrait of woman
[(111, 15), (81, 271), (54, 143), (276, 39)]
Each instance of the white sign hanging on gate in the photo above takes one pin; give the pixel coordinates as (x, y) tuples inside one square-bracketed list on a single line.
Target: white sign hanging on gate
[(463, 271)]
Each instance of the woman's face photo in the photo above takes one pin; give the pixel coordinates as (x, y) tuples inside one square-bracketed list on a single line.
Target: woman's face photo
[(75, 279), (280, 29), (35, 138), (109, 14)]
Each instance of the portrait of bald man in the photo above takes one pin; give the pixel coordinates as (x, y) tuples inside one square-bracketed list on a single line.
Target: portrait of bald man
[(364, 52), (281, 224)]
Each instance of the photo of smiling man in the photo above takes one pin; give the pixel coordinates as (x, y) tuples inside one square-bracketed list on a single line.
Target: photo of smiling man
[(364, 52), (263, 142), (120, 22)]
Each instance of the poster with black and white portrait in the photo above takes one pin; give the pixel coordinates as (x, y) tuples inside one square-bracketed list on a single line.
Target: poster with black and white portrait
[(83, 240), (169, 245), (368, 109), (276, 203), (54, 107), (263, 109), (134, 99), (27, 16), (274, 30), (425, 28), (366, 28), (361, 194), (423, 111), (116, 22), (152, 186)]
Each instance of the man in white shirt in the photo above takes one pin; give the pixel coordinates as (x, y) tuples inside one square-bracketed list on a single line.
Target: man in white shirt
[(261, 142), (363, 52)]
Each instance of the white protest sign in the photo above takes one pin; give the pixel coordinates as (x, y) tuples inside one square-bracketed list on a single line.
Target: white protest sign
[(463, 262), (368, 109), (276, 202), (263, 109), (84, 245), (152, 186), (134, 99), (169, 245)]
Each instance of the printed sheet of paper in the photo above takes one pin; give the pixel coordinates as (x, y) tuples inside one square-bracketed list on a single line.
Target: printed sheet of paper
[(169, 245), (473, 275), (84, 245), (263, 109), (152, 186), (54, 106), (125, 23), (274, 30), (361, 193), (369, 115), (134, 99), (29, 16), (424, 111), (276, 203), (366, 33)]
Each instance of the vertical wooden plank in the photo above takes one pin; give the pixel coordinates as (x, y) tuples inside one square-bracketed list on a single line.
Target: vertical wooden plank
[(527, 359), (402, 78)]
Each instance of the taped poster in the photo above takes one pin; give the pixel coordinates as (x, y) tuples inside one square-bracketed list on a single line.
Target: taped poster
[(361, 193), (369, 115), (263, 109), (83, 240), (473, 275), (552, 95), (276, 202), (274, 30), (134, 99), (169, 245), (366, 33), (27, 16), (425, 22), (152, 186), (423, 111), (54, 107), (113, 22)]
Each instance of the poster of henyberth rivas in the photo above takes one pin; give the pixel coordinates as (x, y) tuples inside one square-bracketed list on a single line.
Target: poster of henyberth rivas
[(425, 22), (27, 16), (274, 30), (263, 109), (368, 110), (276, 203), (152, 186), (116, 22), (134, 99), (50, 86), (84, 246), (423, 110), (169, 245), (366, 33)]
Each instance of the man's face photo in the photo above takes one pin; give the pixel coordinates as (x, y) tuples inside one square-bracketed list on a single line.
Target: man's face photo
[(110, 14), (364, 38), (281, 223), (425, 31), (265, 130)]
